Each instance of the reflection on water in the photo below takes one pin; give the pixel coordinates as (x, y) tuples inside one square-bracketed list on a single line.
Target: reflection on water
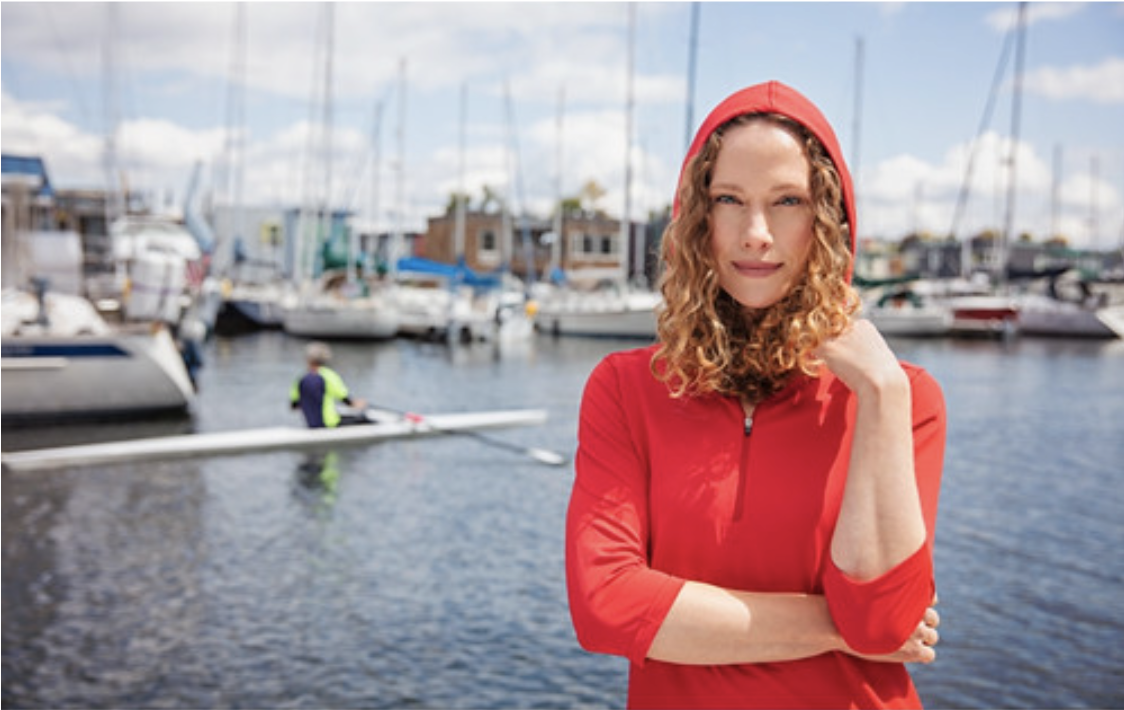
[(318, 475), (429, 572)]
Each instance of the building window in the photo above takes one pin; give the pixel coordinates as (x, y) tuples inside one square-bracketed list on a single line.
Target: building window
[(589, 246), (488, 248)]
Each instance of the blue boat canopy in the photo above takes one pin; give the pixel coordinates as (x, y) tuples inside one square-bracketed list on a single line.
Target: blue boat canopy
[(31, 166), (456, 273)]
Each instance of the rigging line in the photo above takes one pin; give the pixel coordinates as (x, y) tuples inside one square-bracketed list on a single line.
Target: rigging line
[(76, 87), (965, 185), (1016, 117), (692, 64), (363, 160)]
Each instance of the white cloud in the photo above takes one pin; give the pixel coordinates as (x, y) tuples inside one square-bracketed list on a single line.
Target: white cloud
[(1102, 83), (1002, 20), (33, 129), (906, 194)]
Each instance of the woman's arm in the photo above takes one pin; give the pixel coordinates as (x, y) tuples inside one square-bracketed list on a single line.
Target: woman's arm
[(708, 625), (879, 577), (712, 626), (880, 521)]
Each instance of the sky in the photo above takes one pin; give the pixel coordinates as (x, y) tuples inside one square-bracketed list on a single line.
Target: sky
[(532, 100)]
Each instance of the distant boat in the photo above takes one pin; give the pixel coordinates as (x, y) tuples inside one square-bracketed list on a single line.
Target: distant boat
[(904, 312), (616, 311), (61, 360), (160, 271), (610, 305), (439, 301), (1113, 317), (976, 308), (249, 306), (983, 314), (1067, 308), (1042, 315), (340, 309)]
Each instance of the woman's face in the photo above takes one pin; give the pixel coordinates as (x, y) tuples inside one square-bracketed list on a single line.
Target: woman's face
[(760, 213)]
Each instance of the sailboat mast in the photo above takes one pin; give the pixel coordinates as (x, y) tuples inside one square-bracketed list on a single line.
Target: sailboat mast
[(399, 188), (858, 112), (1094, 200), (556, 245), (458, 229), (1055, 191), (328, 118), (376, 169), (692, 52), (1016, 113), (309, 220), (115, 204), (626, 217), (236, 125)]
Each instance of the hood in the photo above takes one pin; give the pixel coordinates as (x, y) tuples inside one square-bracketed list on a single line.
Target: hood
[(775, 97)]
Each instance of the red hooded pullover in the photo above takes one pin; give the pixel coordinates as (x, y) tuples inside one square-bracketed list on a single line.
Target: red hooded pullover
[(675, 489)]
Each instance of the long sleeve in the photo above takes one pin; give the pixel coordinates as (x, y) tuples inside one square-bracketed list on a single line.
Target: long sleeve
[(617, 601), (878, 615)]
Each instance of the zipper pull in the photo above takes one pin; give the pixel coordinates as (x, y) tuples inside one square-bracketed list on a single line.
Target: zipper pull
[(748, 425)]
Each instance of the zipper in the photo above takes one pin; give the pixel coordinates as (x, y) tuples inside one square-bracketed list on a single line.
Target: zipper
[(743, 466)]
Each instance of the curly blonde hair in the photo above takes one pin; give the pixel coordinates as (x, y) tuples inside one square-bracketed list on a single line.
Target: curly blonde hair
[(709, 343)]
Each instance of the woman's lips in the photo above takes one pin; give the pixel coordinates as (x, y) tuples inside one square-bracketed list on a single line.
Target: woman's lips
[(756, 269)]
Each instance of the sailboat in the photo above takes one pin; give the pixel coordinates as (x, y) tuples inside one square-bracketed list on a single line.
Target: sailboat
[(63, 360), (614, 307), (1068, 307), (898, 306), (903, 307), (451, 302), (337, 304)]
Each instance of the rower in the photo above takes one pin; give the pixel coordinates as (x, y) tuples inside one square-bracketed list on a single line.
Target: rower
[(320, 388)]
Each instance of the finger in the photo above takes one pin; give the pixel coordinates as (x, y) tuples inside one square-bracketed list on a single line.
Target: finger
[(931, 638), (932, 618)]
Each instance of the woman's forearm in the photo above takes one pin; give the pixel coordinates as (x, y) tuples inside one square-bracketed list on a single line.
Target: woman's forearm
[(880, 519), (708, 625)]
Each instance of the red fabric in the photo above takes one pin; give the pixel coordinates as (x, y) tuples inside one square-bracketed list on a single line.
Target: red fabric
[(672, 489)]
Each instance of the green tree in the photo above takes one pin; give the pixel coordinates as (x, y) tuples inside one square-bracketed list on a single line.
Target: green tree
[(489, 198), (451, 205), (591, 194)]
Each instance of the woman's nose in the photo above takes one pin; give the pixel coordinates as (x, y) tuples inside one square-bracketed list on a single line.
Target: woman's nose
[(756, 233)]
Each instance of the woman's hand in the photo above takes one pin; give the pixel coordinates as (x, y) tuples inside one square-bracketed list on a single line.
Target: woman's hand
[(861, 358)]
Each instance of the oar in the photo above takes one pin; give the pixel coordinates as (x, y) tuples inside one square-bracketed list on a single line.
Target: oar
[(550, 458)]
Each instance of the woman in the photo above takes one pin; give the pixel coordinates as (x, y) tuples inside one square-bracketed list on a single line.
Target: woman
[(752, 518)]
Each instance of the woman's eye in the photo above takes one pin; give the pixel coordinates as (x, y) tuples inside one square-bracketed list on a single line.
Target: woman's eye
[(725, 200), (791, 201)]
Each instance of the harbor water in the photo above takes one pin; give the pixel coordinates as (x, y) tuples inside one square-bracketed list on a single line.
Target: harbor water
[(429, 573)]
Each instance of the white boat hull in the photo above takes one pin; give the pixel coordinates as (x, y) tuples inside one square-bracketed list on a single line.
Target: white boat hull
[(1044, 316), (909, 321), (601, 315), (389, 426), (48, 377), (1113, 318), (250, 306), (983, 315), (357, 319)]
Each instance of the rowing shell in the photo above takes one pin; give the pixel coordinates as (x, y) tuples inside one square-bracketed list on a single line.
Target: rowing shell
[(389, 426)]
